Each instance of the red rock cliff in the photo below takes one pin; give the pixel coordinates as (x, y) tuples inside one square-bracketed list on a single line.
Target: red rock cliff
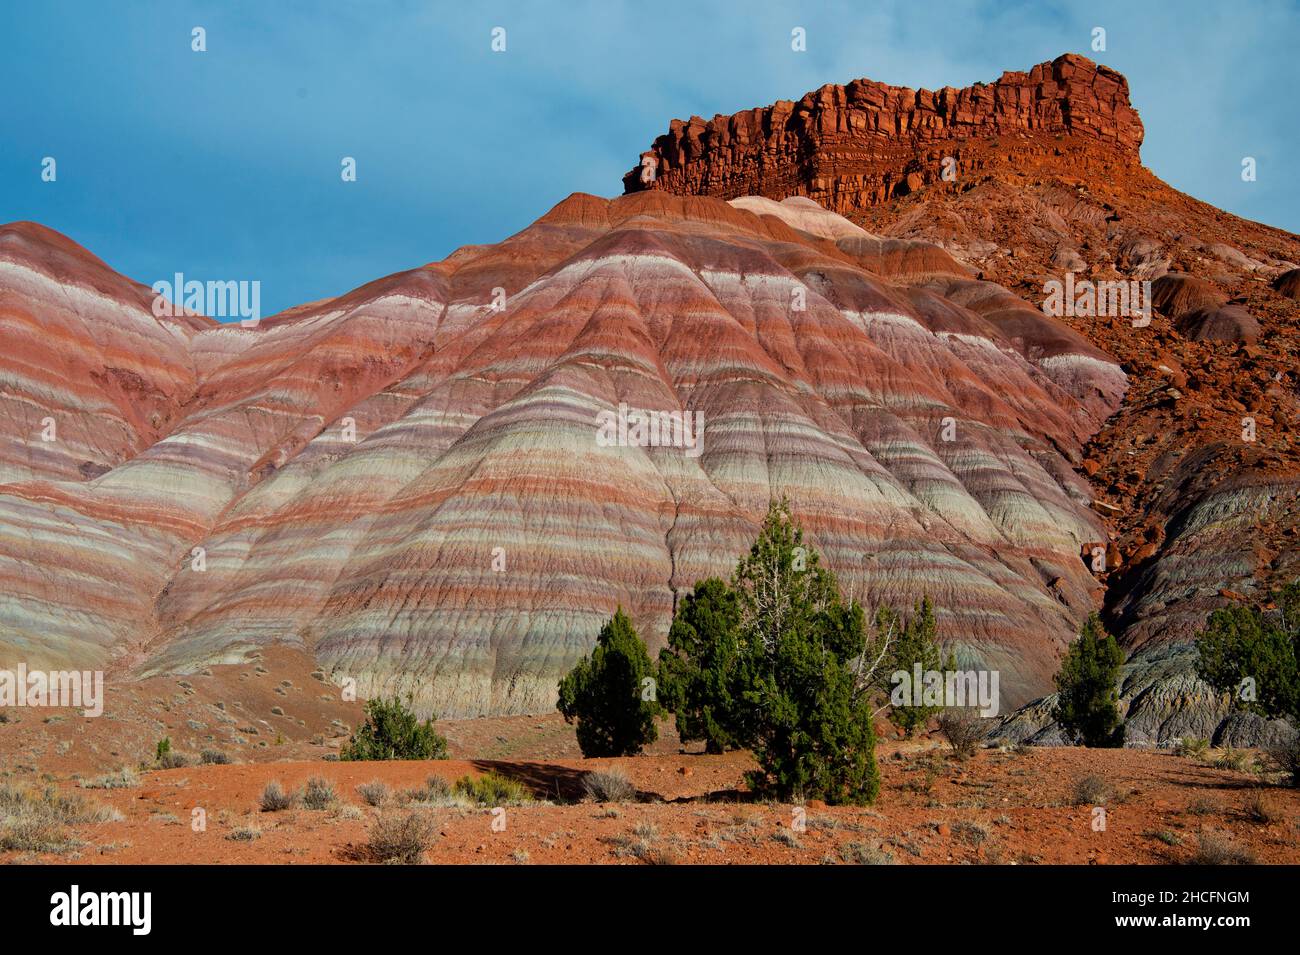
[(849, 147)]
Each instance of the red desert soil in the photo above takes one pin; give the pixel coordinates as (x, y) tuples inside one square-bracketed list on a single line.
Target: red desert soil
[(1000, 807)]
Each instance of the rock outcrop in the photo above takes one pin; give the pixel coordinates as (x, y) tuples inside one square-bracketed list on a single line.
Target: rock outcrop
[(1036, 179), (848, 147)]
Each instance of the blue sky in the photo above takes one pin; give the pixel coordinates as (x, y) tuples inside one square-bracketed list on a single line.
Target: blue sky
[(225, 164)]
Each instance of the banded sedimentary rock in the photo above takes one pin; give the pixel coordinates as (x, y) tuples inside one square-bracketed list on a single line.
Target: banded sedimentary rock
[(1037, 178), (409, 481)]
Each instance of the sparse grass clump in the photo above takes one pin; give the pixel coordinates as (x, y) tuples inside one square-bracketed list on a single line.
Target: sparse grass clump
[(401, 838), (1192, 747), (971, 833), (1214, 848), (643, 844), (375, 793), (492, 789), (35, 821), (1263, 810), (319, 794), (275, 799), (610, 785), (862, 853), (1167, 837), (244, 834), (124, 778)]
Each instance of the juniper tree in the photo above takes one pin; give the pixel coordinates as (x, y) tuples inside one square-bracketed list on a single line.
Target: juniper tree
[(802, 715), (916, 644), (606, 693), (1252, 654), (701, 670), (391, 730), (1088, 688)]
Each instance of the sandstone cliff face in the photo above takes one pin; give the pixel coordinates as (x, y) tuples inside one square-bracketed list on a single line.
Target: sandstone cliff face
[(849, 147), (1198, 472), (407, 481)]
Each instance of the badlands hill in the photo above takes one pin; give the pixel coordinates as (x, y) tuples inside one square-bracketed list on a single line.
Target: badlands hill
[(1198, 472), (409, 484), (409, 481)]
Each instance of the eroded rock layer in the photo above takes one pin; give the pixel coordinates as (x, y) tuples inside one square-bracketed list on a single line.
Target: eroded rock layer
[(410, 481), (1035, 179)]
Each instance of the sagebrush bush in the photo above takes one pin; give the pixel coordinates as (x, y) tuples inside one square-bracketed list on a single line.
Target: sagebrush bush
[(1285, 756), (402, 838), (375, 792), (609, 785), (319, 794), (275, 799), (391, 730), (124, 778), (213, 757), (436, 791)]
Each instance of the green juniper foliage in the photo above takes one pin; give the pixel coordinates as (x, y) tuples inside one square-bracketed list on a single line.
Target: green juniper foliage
[(915, 644), (700, 678), (392, 731), (1246, 643), (605, 693), (1088, 687), (768, 662)]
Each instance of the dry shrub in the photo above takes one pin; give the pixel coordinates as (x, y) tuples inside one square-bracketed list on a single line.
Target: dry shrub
[(963, 728), (1214, 848), (609, 785), (1091, 791), (401, 838), (32, 821), (375, 792), (319, 794), (275, 799)]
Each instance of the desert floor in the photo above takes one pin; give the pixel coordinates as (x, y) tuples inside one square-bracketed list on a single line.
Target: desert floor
[(1006, 806)]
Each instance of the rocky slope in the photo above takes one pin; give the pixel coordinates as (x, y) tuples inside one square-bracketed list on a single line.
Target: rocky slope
[(1025, 180), (409, 481)]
